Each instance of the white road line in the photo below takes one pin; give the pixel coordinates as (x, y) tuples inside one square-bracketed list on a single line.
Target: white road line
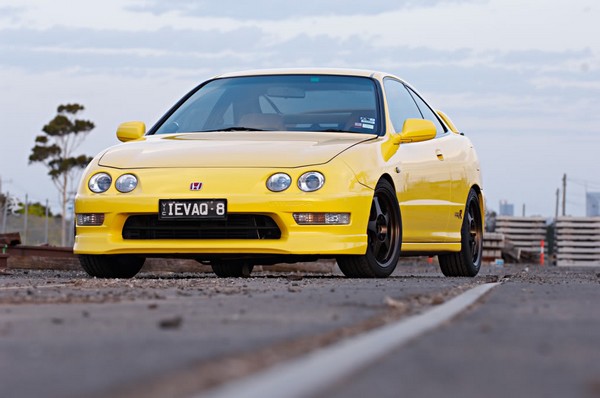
[(309, 374), (34, 287)]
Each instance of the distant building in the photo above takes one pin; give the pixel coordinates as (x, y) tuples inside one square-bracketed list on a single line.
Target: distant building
[(506, 209), (592, 204)]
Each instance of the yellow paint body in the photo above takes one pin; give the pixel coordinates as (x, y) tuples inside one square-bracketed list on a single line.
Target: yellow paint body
[(432, 179)]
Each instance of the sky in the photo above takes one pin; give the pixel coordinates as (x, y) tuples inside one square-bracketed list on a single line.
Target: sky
[(520, 78)]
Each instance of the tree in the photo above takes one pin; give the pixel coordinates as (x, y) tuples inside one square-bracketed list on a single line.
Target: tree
[(35, 209), (55, 149)]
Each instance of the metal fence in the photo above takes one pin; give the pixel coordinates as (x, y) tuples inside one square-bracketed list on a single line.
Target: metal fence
[(35, 230)]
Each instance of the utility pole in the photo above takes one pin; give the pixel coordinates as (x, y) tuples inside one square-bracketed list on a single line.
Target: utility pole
[(5, 212), (46, 225), (4, 200), (564, 204), (557, 200), (25, 219), (523, 209)]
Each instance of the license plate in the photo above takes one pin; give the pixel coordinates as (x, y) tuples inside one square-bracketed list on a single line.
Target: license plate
[(169, 209)]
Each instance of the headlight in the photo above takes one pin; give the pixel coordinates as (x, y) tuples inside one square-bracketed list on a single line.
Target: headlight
[(311, 181), (126, 183), (279, 182), (99, 182)]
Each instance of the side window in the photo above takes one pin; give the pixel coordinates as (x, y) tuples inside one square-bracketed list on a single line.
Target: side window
[(401, 105), (428, 114)]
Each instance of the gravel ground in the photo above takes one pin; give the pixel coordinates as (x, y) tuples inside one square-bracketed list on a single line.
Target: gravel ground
[(133, 337), (536, 335), (171, 334)]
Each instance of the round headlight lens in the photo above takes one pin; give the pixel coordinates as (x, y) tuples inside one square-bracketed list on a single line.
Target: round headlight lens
[(311, 181), (279, 182), (126, 183), (99, 182)]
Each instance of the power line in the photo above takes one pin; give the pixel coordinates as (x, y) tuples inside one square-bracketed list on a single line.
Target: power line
[(585, 183)]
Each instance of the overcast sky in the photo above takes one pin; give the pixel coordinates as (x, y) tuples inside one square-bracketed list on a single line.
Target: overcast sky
[(520, 78)]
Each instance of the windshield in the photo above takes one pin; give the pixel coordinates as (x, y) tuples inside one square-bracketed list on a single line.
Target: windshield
[(279, 103)]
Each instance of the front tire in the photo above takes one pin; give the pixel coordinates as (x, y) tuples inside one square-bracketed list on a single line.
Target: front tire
[(112, 266), (384, 234), (468, 261), (232, 270)]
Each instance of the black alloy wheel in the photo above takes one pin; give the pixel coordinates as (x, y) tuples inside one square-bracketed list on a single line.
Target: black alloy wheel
[(384, 233), (111, 266), (468, 261)]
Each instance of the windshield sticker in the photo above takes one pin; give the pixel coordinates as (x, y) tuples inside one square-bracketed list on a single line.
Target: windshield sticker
[(365, 123), (368, 120)]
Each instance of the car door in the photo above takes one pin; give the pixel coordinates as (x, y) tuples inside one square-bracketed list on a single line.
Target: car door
[(422, 179), (456, 152)]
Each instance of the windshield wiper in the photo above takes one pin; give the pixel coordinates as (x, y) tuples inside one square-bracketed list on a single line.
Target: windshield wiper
[(334, 131), (235, 128)]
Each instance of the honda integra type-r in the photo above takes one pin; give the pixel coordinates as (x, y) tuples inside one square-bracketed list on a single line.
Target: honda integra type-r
[(270, 166)]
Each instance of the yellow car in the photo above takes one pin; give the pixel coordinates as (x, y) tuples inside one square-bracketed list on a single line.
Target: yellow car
[(271, 166)]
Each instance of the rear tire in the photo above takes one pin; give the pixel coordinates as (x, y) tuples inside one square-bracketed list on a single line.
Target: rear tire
[(384, 234), (112, 266), (232, 270), (468, 261)]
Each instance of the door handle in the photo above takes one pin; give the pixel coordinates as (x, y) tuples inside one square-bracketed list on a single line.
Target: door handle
[(439, 154)]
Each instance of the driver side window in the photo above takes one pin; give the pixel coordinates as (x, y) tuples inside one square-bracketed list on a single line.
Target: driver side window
[(401, 105), (428, 114)]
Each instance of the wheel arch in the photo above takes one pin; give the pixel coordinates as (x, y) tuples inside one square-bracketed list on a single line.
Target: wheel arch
[(389, 179)]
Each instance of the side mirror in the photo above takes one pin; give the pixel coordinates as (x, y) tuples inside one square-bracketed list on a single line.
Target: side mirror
[(131, 131), (413, 130), (416, 130)]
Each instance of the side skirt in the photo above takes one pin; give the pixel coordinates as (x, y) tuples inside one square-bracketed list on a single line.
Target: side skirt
[(422, 249)]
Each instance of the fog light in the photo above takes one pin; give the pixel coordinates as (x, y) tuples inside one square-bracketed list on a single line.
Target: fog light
[(87, 219), (322, 218)]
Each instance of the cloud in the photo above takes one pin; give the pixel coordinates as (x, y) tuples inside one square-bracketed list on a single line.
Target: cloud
[(184, 49), (542, 58), (114, 51), (166, 40), (11, 13), (273, 9), (185, 52)]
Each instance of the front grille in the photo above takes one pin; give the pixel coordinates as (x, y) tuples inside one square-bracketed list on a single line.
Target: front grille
[(236, 226)]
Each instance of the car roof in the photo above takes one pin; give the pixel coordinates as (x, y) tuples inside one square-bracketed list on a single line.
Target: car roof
[(309, 71)]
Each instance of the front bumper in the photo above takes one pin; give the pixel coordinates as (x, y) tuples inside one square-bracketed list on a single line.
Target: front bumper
[(342, 193)]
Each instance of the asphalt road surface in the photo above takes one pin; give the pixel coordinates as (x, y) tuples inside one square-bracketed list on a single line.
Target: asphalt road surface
[(535, 333)]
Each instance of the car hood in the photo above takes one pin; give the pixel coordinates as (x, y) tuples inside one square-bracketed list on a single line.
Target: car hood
[(231, 149)]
